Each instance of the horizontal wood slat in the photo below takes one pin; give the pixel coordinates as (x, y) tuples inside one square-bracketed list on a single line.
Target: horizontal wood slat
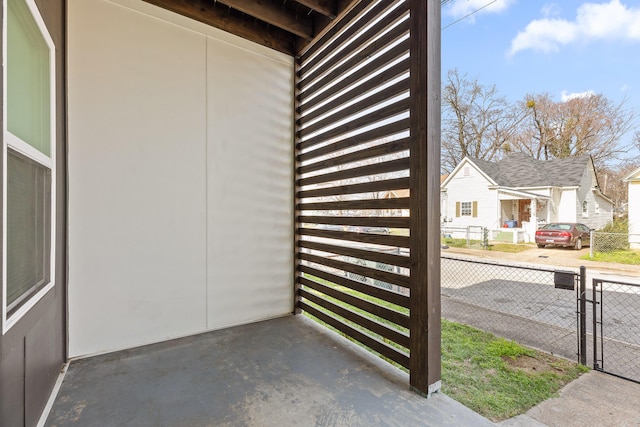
[(350, 315), (334, 115), (372, 135), (376, 204), (354, 92), (396, 317), (372, 291), (359, 42), (380, 71), (365, 221), (385, 276), (374, 169), (376, 345), (360, 155), (358, 59), (376, 239), (382, 257), (321, 43), (376, 116), (366, 187)]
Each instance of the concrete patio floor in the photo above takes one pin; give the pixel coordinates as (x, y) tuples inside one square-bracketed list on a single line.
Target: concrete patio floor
[(283, 372)]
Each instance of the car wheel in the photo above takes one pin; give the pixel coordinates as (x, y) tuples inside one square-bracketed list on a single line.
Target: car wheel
[(578, 244), (540, 246)]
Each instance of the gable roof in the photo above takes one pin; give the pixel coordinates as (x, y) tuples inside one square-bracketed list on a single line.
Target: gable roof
[(633, 176), (522, 170)]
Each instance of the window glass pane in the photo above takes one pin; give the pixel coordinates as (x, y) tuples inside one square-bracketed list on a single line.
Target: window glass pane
[(28, 228), (28, 79)]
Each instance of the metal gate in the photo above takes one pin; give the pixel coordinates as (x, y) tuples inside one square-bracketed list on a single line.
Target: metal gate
[(616, 328)]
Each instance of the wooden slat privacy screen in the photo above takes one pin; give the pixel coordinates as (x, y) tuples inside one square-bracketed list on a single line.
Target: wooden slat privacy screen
[(358, 264)]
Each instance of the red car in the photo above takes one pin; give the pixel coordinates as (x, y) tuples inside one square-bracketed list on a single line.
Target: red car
[(563, 234)]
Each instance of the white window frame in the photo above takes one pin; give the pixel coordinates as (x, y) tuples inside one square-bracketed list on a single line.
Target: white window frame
[(585, 209), (462, 209), (16, 144)]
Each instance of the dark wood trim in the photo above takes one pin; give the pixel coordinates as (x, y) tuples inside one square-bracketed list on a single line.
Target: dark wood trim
[(356, 41), (376, 345), (372, 325), (366, 187), (206, 12), (374, 273), (323, 7), (371, 101), (374, 204), (300, 25), (363, 288), (352, 11), (378, 133), (388, 314), (375, 239), (374, 169), (381, 257), (374, 117), (365, 221), (365, 154), (425, 191)]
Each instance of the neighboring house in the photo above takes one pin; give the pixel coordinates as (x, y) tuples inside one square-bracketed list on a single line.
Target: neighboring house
[(518, 194), (633, 181)]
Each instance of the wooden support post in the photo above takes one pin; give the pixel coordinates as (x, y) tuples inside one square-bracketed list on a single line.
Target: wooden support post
[(424, 328)]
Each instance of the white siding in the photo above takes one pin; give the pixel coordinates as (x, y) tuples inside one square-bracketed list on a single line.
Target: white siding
[(471, 188), (587, 194), (180, 209), (568, 206), (634, 214)]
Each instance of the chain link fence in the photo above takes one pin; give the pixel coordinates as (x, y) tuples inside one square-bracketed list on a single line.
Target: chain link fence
[(533, 306), (602, 242), (616, 321)]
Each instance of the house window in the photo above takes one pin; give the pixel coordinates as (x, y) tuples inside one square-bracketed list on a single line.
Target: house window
[(596, 208), (467, 209), (29, 161), (585, 209), (466, 171)]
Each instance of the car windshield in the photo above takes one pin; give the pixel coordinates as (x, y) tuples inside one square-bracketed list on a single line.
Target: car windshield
[(557, 227)]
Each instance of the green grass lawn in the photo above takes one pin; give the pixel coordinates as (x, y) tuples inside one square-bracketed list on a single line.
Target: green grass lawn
[(621, 257), (493, 376), (496, 377), (509, 247)]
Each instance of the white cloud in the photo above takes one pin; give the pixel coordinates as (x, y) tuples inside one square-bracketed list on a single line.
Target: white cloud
[(603, 21), (550, 9), (461, 8), (565, 96), (624, 88)]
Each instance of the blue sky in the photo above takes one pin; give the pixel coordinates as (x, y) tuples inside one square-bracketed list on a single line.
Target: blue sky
[(564, 48)]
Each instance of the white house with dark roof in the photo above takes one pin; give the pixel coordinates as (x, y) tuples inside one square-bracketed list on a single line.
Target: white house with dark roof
[(633, 182), (514, 196)]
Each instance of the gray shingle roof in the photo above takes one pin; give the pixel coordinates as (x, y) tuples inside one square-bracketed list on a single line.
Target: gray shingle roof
[(522, 170)]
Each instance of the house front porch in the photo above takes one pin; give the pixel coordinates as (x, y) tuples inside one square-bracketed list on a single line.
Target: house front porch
[(281, 372)]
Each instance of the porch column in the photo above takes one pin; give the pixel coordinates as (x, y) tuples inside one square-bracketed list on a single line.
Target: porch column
[(425, 189)]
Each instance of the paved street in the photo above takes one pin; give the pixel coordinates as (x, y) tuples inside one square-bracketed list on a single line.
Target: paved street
[(523, 304)]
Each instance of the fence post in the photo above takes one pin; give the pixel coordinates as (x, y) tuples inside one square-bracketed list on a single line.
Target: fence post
[(591, 244), (583, 315)]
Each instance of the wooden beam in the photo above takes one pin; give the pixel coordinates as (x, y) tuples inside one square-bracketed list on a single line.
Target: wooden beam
[(218, 16), (424, 364), (324, 7), (300, 25)]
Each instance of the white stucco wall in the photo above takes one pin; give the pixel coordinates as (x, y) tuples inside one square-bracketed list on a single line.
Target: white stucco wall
[(180, 177)]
